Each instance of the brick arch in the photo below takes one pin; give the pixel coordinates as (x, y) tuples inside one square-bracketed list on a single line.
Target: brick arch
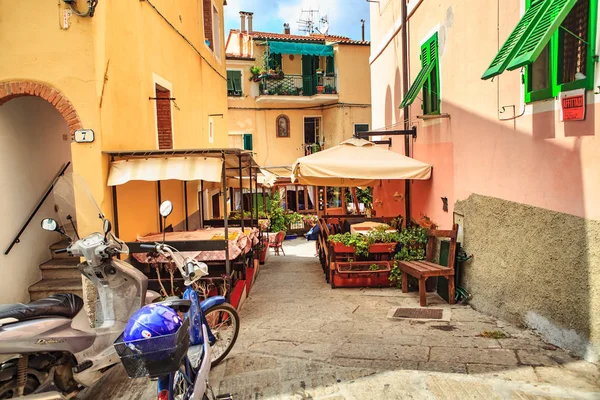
[(13, 89)]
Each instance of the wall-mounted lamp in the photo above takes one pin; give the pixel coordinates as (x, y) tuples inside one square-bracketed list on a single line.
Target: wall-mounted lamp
[(445, 204), (398, 196)]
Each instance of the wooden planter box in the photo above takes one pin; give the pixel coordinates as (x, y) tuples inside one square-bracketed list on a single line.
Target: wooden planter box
[(359, 274), (378, 248)]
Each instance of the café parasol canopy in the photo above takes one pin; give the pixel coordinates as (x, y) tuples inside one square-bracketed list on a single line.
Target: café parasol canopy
[(356, 162)]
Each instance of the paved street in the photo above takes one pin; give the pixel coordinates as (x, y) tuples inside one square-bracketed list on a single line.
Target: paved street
[(302, 340)]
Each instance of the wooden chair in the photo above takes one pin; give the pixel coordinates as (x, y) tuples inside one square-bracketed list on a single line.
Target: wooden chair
[(426, 269), (277, 243)]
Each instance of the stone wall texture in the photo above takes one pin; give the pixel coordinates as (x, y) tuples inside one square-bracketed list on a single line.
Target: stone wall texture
[(535, 267)]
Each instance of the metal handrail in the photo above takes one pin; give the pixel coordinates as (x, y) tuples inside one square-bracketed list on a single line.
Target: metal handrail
[(17, 238)]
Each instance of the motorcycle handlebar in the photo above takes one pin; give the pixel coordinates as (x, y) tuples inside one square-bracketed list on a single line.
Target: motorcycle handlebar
[(59, 251), (148, 246)]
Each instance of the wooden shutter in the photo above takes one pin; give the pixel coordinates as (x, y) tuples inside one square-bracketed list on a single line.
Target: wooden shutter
[(419, 81), (515, 39), (230, 78), (541, 31), (330, 67), (247, 141)]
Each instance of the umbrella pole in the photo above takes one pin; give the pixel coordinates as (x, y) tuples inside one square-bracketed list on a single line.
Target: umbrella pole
[(354, 198)]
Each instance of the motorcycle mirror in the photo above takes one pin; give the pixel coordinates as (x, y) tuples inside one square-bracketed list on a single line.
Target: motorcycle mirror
[(106, 226), (166, 208), (49, 224)]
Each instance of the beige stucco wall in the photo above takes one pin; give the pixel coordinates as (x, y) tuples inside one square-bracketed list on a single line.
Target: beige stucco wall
[(540, 266), (528, 186)]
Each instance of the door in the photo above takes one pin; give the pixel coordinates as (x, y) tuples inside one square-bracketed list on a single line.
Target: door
[(216, 206), (309, 75)]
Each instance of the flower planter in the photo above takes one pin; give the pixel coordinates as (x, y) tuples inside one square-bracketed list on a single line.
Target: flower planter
[(342, 248), (382, 248), (360, 274)]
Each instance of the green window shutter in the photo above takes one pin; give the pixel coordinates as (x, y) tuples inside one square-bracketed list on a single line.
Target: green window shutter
[(274, 61), (419, 81), (330, 67), (361, 128), (230, 80), (515, 39), (247, 141), (541, 31)]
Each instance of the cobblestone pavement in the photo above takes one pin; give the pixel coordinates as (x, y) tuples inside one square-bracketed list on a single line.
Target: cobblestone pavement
[(302, 340)]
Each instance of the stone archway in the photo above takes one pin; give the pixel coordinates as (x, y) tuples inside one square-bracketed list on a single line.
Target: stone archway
[(13, 89)]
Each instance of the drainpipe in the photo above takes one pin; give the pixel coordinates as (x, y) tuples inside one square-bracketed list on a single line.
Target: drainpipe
[(406, 109)]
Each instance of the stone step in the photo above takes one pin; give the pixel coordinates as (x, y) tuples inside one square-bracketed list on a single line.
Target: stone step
[(60, 245), (47, 287), (60, 268)]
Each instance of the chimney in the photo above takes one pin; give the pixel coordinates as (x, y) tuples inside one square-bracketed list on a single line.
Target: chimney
[(286, 28), (362, 21), (249, 16), (242, 21)]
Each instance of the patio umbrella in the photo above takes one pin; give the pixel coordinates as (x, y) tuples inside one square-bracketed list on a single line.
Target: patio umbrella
[(356, 162)]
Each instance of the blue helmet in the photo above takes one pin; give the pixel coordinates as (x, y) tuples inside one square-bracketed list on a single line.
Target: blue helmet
[(153, 320)]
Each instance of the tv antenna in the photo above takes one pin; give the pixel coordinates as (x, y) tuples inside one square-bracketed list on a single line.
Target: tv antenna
[(311, 21)]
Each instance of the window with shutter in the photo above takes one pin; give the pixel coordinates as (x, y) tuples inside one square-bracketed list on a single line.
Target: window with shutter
[(557, 55), (274, 61), (329, 66), (247, 141), (361, 128), (427, 79), (234, 83)]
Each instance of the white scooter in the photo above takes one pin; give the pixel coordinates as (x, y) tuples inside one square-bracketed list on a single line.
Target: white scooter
[(47, 348)]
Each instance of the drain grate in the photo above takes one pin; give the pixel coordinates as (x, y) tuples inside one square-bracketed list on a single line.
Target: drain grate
[(419, 313)]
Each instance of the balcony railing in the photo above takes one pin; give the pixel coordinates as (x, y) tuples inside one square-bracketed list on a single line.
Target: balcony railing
[(298, 85)]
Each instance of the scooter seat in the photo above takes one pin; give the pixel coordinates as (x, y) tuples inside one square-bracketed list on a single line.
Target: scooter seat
[(58, 305)]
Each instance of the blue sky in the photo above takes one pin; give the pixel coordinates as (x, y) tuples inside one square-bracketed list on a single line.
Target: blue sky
[(269, 15)]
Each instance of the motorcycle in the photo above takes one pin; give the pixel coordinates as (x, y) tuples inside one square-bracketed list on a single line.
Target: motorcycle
[(48, 349)]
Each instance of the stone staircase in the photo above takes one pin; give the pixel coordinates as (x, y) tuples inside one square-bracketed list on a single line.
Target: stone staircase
[(59, 275)]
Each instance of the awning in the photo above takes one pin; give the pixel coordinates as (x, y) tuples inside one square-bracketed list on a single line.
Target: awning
[(308, 49), (356, 162), (530, 36), (164, 168)]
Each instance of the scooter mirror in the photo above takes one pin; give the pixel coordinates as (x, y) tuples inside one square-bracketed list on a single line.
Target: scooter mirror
[(106, 226), (49, 224), (166, 208)]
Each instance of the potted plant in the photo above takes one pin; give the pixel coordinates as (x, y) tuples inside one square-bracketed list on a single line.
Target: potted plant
[(263, 251), (255, 71), (350, 243), (382, 242), (319, 71)]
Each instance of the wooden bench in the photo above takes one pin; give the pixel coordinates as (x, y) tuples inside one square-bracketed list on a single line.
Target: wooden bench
[(426, 268)]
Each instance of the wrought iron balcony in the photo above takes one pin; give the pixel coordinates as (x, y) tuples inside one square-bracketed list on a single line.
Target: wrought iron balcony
[(297, 85)]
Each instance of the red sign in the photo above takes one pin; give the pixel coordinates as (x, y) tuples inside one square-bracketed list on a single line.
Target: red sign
[(572, 106)]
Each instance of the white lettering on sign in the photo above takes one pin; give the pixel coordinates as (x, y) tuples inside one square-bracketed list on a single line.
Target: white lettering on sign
[(84, 136)]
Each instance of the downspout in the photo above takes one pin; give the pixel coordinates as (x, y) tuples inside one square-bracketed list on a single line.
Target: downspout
[(406, 109)]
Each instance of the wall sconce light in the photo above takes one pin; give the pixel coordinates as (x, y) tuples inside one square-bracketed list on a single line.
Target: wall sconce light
[(445, 204), (398, 196)]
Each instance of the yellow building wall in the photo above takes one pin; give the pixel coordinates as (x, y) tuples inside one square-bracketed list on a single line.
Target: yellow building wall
[(337, 120), (106, 65)]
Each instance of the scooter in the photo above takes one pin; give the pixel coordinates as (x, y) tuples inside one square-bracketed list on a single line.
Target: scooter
[(47, 348)]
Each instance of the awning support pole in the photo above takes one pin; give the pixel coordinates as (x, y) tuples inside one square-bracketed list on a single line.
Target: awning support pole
[(201, 204), (186, 205), (225, 222), (241, 190), (251, 197)]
